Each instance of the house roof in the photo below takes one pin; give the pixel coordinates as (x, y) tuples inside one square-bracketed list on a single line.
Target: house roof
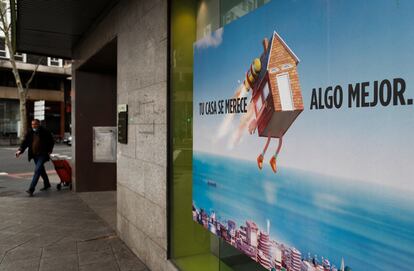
[(277, 36), (264, 58)]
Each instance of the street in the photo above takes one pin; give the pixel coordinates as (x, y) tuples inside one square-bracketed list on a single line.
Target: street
[(17, 172), (9, 165)]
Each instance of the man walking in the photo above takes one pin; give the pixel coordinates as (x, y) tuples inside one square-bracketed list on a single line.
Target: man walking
[(40, 143)]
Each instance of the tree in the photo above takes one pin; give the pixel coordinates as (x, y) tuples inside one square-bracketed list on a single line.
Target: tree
[(22, 89)]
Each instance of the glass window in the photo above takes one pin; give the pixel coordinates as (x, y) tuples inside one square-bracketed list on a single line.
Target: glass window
[(232, 10), (191, 246), (56, 62), (20, 57), (3, 52), (9, 117)]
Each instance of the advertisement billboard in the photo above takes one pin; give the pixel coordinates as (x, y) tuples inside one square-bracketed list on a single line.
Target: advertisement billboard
[(303, 119)]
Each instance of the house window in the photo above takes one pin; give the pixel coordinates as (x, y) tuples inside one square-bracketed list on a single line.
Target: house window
[(273, 70), (259, 103), (287, 66), (266, 91), (55, 62), (285, 92)]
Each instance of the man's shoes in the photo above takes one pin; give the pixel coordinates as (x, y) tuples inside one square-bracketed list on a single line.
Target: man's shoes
[(30, 192), (45, 188)]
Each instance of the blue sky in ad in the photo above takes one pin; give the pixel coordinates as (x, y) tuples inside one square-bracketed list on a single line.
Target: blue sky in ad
[(338, 43)]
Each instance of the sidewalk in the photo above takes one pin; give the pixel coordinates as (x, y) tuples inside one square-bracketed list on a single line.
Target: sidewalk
[(56, 230)]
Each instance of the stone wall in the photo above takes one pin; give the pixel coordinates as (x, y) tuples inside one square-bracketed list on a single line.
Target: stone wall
[(140, 28)]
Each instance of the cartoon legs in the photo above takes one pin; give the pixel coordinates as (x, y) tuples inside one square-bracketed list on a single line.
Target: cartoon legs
[(273, 159), (261, 156)]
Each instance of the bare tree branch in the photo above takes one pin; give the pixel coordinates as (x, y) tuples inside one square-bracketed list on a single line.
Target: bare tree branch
[(5, 26), (22, 92), (33, 74)]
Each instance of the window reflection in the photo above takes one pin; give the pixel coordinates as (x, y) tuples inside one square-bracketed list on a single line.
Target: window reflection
[(191, 246)]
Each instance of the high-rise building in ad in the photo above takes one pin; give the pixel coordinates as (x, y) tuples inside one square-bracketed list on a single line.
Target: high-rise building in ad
[(276, 256), (295, 260), (251, 232), (264, 249)]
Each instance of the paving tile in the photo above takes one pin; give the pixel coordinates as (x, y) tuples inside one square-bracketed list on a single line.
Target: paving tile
[(22, 224), (67, 262), (86, 258), (42, 241), (131, 265), (95, 245), (103, 204), (3, 250), (20, 265), (5, 223), (126, 260), (5, 237), (60, 249), (17, 239), (100, 266), (22, 254), (116, 243)]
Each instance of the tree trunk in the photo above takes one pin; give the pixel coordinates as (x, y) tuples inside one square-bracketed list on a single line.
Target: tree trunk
[(23, 114), (21, 90)]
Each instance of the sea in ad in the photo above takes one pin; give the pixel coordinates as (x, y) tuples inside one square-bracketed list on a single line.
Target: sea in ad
[(368, 226)]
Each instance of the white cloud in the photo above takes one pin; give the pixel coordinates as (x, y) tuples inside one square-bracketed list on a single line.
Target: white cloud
[(270, 189), (211, 40)]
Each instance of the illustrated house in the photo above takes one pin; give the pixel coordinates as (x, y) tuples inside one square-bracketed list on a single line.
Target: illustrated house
[(276, 95)]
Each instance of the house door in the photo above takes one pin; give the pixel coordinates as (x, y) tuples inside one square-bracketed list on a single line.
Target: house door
[(285, 92)]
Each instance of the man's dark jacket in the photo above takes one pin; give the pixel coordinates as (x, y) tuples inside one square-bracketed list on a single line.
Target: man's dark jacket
[(46, 142)]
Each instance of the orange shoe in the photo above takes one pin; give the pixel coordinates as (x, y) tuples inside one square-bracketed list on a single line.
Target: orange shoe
[(273, 164), (260, 161)]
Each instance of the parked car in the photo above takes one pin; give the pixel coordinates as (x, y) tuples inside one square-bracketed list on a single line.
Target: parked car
[(68, 140)]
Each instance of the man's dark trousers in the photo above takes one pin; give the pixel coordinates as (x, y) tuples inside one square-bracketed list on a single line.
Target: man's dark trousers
[(40, 170)]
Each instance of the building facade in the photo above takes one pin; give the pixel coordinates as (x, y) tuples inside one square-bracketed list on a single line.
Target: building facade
[(50, 83)]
